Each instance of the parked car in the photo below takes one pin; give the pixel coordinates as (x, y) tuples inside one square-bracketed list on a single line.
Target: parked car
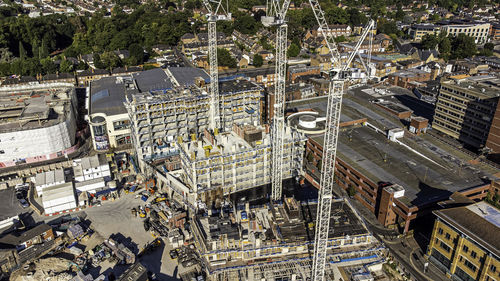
[(24, 203), (173, 254)]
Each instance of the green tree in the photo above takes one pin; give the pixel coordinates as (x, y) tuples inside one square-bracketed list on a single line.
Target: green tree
[(258, 61), (43, 50), (356, 17), (48, 66), (110, 60), (463, 46), (445, 48), (246, 24), (98, 63), (22, 51), (66, 66), (293, 50), (136, 54), (224, 58), (429, 41)]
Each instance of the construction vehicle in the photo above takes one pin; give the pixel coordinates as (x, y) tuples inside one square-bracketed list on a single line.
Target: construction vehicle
[(160, 199), (142, 212)]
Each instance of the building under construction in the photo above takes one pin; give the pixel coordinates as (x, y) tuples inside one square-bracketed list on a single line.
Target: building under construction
[(274, 242), (160, 118), (37, 123), (219, 164)]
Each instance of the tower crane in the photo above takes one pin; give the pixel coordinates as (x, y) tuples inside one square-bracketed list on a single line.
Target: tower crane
[(213, 7), (338, 74), (275, 16)]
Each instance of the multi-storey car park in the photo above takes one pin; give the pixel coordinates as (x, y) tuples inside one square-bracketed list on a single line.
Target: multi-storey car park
[(244, 241), (396, 177), (219, 164), (37, 123)]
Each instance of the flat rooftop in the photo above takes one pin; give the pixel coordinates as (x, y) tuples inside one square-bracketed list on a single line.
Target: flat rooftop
[(424, 172), (485, 87), (480, 221), (237, 85), (186, 76), (108, 94)]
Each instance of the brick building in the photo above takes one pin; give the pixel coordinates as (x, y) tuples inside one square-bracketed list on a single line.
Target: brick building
[(408, 79)]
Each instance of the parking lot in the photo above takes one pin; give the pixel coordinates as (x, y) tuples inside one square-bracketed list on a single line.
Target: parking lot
[(113, 218), (10, 205)]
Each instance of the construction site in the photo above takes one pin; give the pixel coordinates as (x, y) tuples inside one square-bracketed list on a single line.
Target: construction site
[(221, 164), (160, 117), (275, 241)]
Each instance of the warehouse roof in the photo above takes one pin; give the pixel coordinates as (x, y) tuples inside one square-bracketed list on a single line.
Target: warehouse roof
[(58, 191), (49, 177), (479, 221)]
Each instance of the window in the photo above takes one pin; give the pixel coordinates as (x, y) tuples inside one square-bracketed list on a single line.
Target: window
[(447, 236), (445, 247), (493, 268), (470, 265), (473, 254), (465, 249), (440, 231)]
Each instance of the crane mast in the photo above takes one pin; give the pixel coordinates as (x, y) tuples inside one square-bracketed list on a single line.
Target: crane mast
[(338, 74), (276, 12), (213, 7)]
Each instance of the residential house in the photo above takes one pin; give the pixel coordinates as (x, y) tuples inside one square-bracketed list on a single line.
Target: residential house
[(86, 76), (335, 30), (298, 70), (188, 38), (59, 78), (37, 235), (409, 78)]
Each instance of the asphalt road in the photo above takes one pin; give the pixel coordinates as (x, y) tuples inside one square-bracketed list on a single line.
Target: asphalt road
[(405, 250)]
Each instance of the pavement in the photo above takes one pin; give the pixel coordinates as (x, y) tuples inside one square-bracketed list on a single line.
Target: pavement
[(113, 218)]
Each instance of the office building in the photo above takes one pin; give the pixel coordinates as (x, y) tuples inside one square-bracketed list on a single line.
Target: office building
[(465, 110), (477, 30), (417, 31), (396, 178), (464, 242)]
